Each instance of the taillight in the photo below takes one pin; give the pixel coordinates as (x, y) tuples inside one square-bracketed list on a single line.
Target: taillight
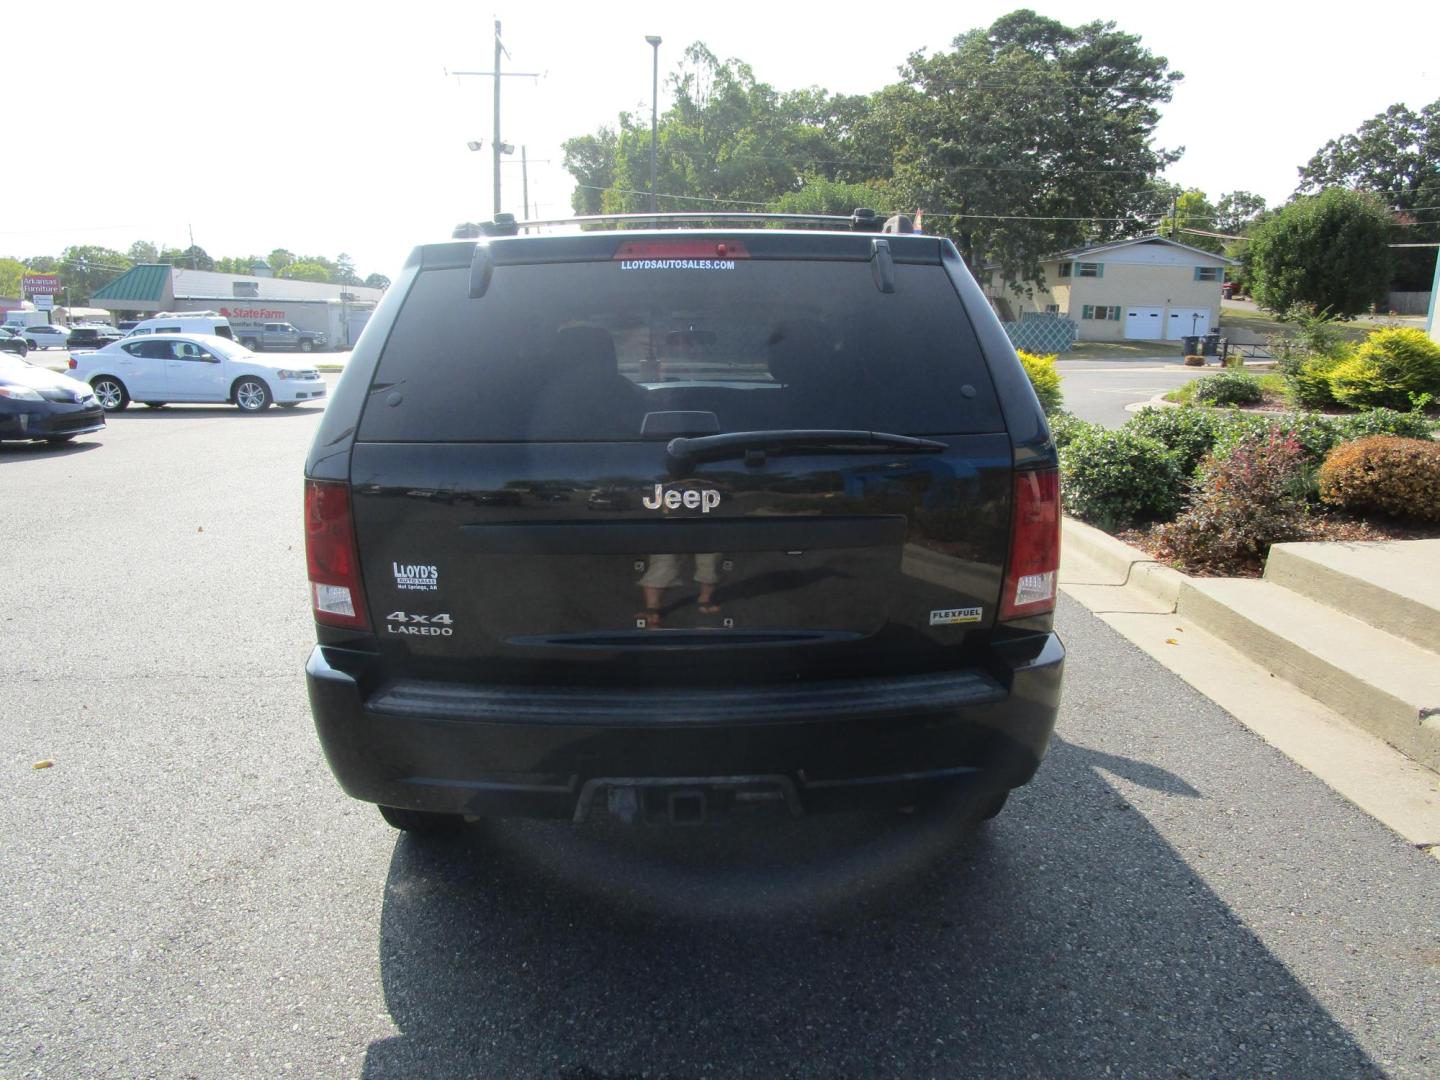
[(331, 555), (1034, 546), (73, 364), (680, 249)]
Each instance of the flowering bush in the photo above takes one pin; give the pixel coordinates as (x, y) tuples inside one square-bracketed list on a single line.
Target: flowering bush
[(1387, 368), (1244, 502)]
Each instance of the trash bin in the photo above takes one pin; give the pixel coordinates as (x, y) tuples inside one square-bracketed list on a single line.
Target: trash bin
[(1190, 345), (1211, 344)]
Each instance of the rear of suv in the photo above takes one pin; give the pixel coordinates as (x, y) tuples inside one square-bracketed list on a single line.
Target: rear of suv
[(671, 523)]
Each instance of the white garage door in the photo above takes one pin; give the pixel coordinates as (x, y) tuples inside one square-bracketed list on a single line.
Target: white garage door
[(1185, 320), (1144, 323)]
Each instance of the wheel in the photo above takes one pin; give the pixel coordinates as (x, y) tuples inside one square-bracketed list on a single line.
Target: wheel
[(251, 394), (32, 344), (250, 343), (993, 805), (421, 822), (56, 440), (111, 392), (306, 345), (154, 404), (24, 347)]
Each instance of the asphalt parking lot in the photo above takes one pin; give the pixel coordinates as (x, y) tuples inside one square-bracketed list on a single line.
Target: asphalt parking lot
[(187, 894)]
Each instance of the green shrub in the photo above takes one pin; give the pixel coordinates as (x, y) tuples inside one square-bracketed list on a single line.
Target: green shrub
[(1117, 478), (1065, 426), (1314, 433), (1044, 378), (1186, 432), (1387, 368), (1407, 425), (1309, 381), (1228, 388), (1243, 503), (1395, 476)]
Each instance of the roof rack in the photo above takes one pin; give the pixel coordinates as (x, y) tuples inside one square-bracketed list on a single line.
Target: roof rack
[(862, 220)]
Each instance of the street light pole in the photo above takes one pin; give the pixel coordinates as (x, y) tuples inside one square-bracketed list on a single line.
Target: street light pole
[(654, 41), (496, 144)]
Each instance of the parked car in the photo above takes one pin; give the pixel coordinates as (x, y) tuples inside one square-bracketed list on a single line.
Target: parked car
[(183, 322), (814, 569), (92, 337), (36, 403), (46, 336), (156, 369), (281, 335), (12, 342)]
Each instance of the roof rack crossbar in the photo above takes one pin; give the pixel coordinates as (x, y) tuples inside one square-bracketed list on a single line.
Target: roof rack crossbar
[(861, 220)]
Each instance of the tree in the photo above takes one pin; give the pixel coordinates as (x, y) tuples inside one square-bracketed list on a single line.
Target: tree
[(822, 196), (1396, 156), (193, 257), (1031, 137), (237, 264), (1238, 211), (377, 281), (143, 251), (344, 272), (279, 259), (727, 142), (305, 271), (1327, 251), (1192, 211), (11, 271), (84, 268)]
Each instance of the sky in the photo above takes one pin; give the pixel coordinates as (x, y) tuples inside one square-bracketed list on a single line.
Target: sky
[(325, 127)]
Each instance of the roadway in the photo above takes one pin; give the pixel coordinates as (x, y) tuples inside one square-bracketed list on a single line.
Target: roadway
[(187, 894)]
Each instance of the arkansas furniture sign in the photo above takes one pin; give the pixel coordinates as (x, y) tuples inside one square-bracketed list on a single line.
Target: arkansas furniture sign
[(40, 284)]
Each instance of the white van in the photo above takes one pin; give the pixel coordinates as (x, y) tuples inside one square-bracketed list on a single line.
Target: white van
[(185, 322)]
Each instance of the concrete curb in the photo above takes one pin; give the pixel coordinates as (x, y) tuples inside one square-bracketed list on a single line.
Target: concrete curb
[(1132, 566)]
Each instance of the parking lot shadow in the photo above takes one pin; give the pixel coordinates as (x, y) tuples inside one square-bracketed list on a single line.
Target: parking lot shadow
[(19, 451), (1067, 938), (191, 412)]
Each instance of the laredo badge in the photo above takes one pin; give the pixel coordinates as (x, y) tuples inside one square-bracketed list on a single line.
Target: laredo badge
[(955, 615)]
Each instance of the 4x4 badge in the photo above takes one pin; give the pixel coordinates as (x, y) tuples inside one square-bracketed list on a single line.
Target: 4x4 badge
[(704, 500)]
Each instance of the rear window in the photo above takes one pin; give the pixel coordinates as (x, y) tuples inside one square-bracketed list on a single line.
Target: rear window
[(584, 351)]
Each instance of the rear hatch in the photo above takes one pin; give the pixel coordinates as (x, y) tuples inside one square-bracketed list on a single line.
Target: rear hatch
[(666, 457)]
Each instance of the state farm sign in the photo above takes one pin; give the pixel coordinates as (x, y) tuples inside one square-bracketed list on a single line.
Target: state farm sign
[(40, 284)]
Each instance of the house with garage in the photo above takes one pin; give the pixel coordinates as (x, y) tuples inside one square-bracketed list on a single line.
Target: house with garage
[(1147, 289)]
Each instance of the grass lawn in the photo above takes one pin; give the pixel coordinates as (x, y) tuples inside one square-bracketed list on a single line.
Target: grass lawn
[(1272, 386), (1121, 350), (1256, 326)]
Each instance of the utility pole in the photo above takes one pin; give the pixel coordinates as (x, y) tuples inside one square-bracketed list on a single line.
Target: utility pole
[(497, 146), (1174, 223)]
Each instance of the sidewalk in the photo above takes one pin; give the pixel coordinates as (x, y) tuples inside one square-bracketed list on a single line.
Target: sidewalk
[(1333, 657)]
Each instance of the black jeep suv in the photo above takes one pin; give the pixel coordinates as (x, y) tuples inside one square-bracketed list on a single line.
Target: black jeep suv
[(671, 522)]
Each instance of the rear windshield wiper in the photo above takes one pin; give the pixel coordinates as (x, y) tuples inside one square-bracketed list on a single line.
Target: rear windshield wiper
[(754, 445)]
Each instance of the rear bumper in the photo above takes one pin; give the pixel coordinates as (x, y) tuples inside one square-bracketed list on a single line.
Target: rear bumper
[(545, 751)]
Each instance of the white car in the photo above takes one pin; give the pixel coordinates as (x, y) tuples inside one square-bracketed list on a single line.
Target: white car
[(156, 369), (45, 337)]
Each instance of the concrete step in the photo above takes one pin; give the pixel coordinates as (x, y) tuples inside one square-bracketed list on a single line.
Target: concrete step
[(1381, 682), (1394, 585)]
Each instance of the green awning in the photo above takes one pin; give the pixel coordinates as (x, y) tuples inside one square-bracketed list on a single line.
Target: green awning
[(144, 283)]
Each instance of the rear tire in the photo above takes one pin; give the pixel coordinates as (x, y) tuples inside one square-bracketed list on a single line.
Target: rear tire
[(57, 440), (251, 394), (306, 345), (992, 806), (111, 392), (420, 822), (250, 343), (24, 347)]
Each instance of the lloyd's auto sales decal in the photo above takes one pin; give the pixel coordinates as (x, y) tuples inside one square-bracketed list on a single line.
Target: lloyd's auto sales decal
[(416, 577), (677, 264)]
